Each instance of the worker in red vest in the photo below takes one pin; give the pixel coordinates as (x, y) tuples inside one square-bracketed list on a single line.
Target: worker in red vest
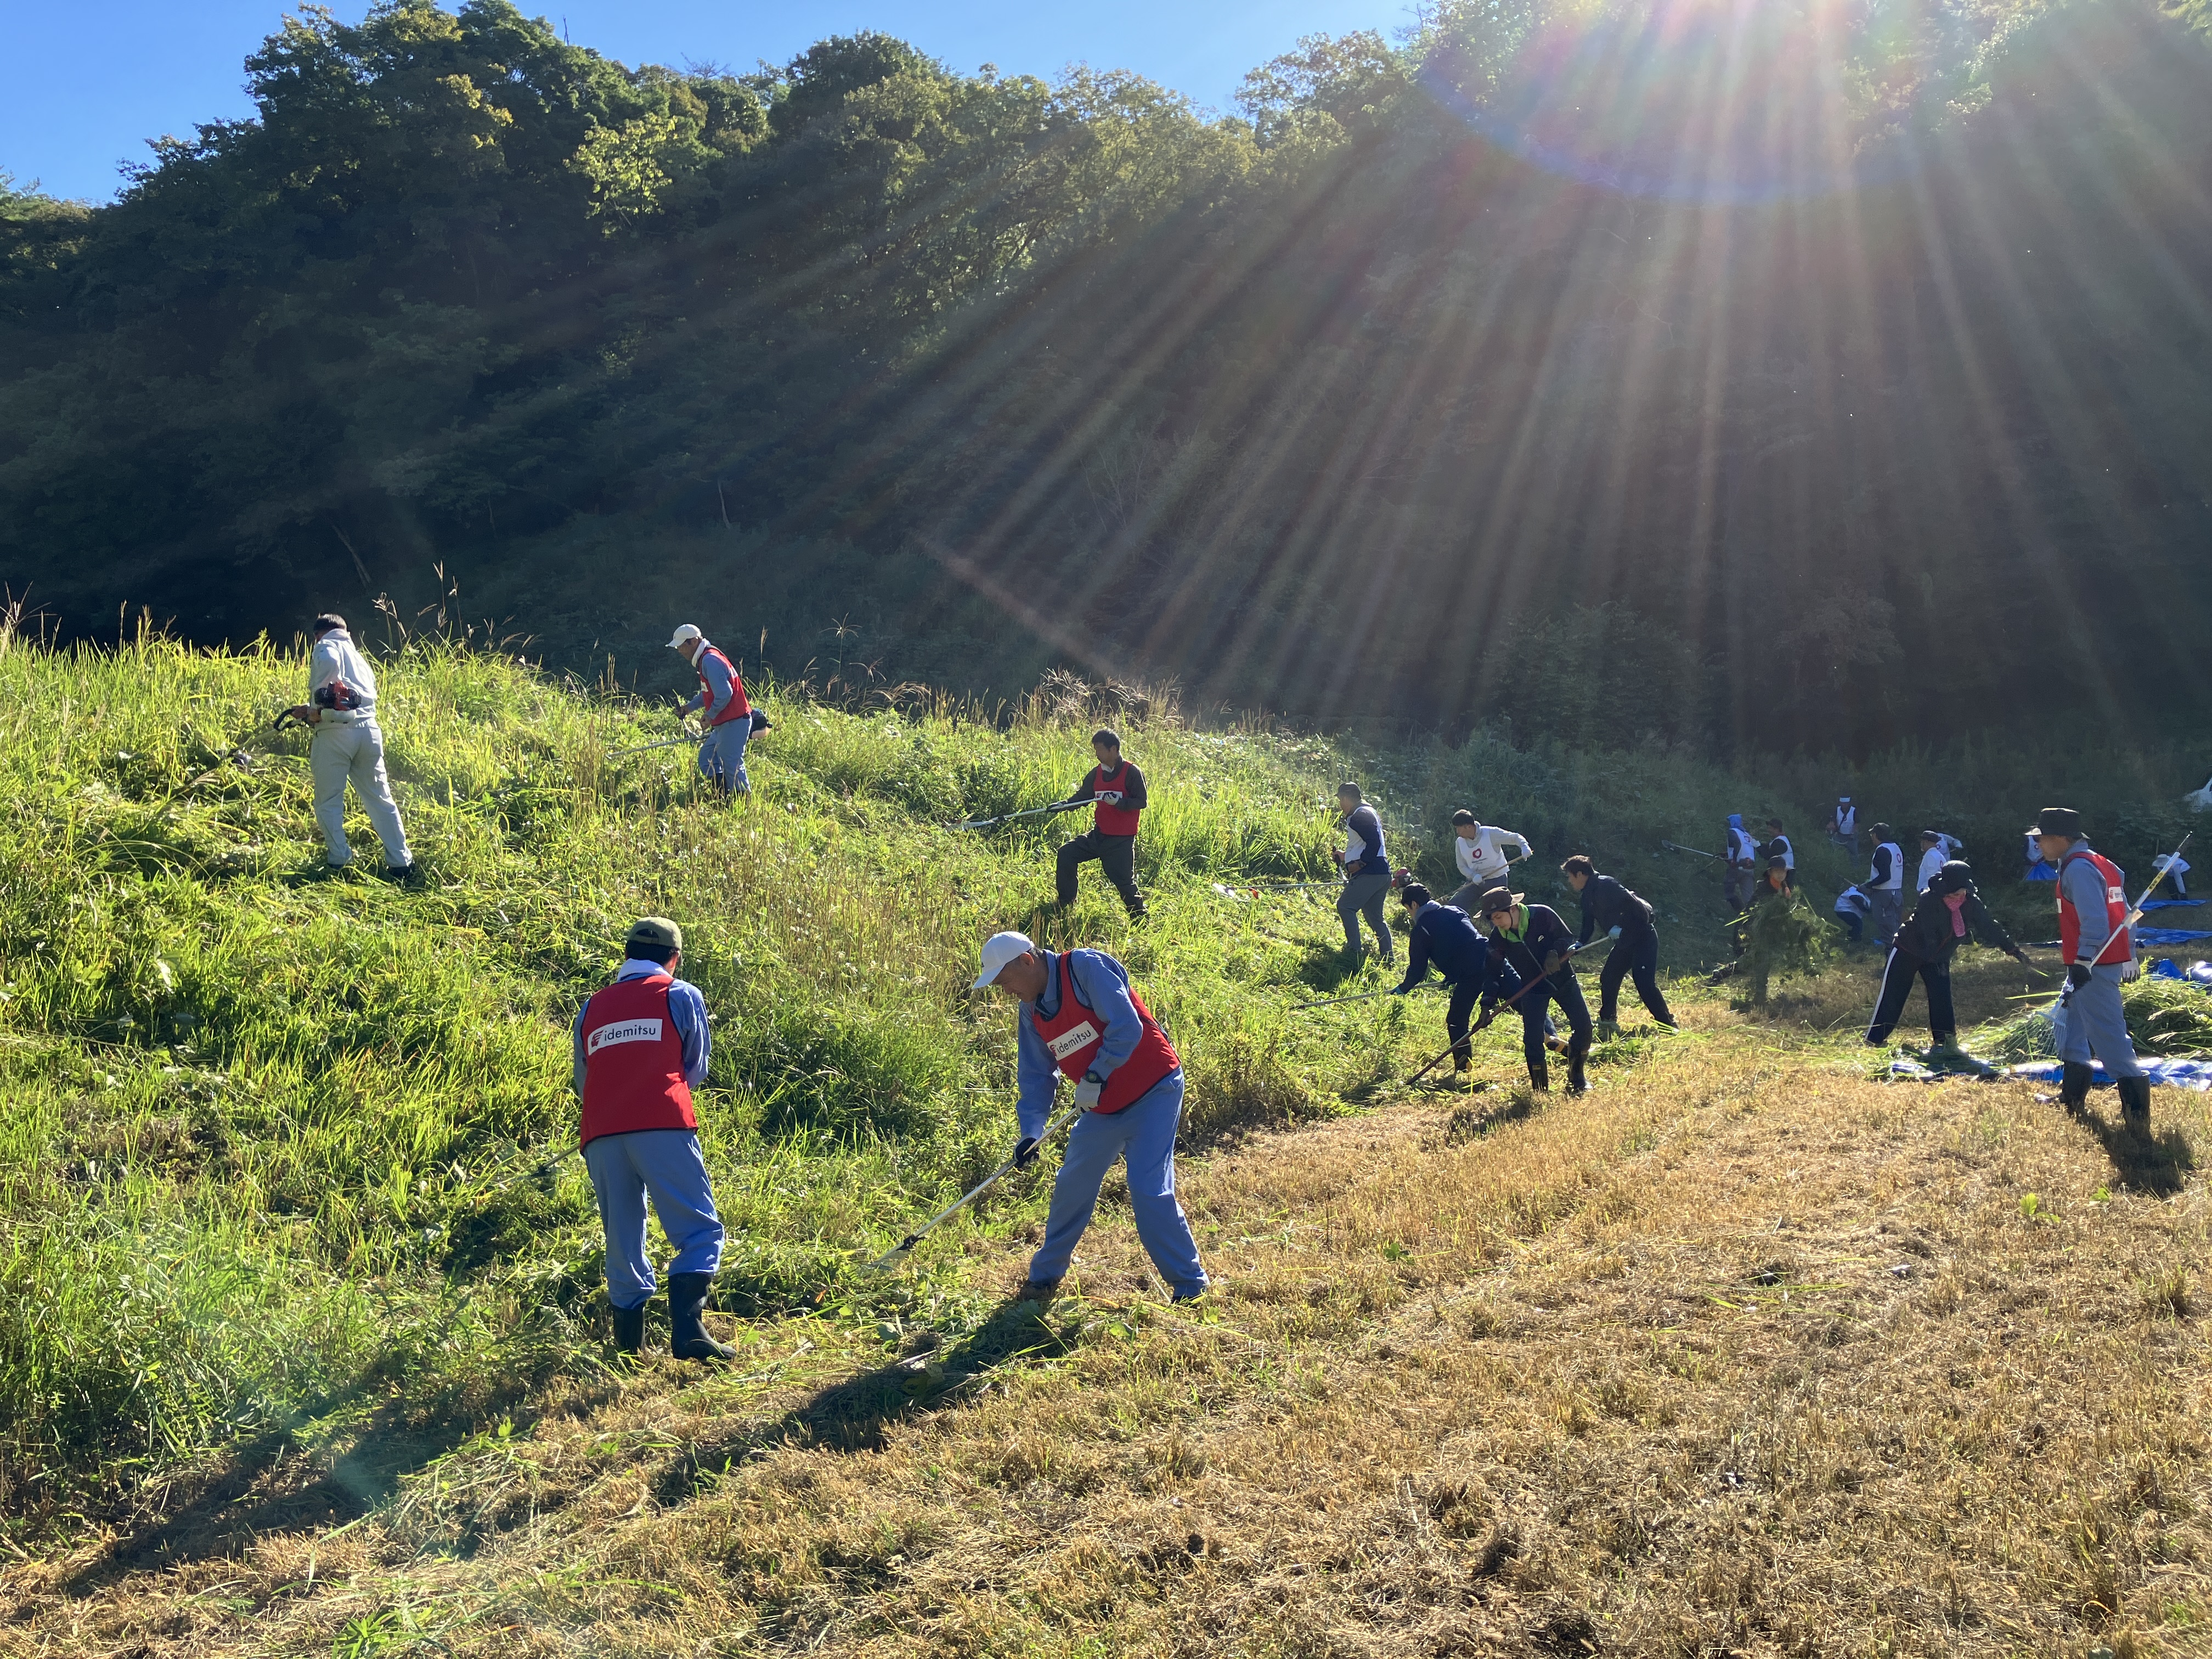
[(721, 701), (2097, 946), (1119, 788), (641, 1046), (1080, 1018)]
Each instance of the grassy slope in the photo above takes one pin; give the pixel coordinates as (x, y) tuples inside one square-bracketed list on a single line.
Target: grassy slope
[(288, 1315)]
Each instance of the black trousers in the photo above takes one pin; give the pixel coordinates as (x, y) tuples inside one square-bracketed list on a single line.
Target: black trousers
[(1116, 856), (1563, 988), (1635, 955), (1897, 986), (1464, 995)]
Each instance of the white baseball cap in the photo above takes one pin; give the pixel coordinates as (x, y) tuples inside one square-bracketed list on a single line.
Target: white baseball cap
[(999, 950), (684, 635)]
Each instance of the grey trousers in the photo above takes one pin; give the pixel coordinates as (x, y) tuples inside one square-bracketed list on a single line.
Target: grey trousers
[(1888, 912), (1465, 898), (1363, 895), (352, 751), (2094, 1022)]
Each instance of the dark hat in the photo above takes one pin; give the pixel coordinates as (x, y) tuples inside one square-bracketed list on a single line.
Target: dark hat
[(1882, 831), (1955, 877), (327, 621), (656, 931), (1497, 899), (1931, 834), (2058, 821)]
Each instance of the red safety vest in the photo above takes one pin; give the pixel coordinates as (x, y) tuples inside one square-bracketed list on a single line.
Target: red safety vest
[(1074, 1036), (1113, 820), (633, 1061), (738, 706), (2118, 948)]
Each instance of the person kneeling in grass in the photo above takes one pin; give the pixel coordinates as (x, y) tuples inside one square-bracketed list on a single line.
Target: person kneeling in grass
[(1931, 935), (641, 1046), (1080, 1017)]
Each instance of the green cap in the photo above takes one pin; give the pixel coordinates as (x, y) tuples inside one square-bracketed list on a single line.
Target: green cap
[(656, 931)]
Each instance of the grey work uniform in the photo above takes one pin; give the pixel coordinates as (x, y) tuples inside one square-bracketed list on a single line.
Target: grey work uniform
[(348, 746)]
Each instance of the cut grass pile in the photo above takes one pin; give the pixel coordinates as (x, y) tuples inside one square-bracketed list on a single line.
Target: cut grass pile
[(301, 1337)]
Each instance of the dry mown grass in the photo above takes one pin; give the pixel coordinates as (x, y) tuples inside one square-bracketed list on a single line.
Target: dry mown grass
[(1741, 1353)]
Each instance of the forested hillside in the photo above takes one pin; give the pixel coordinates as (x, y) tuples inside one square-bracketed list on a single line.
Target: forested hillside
[(1766, 377)]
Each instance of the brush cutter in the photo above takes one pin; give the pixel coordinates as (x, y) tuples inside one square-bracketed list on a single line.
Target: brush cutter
[(1677, 846), (665, 743), (891, 1258), (1026, 812), (2133, 916)]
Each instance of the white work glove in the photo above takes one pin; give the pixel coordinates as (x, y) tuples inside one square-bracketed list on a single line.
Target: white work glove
[(1613, 933), (1086, 1094), (1112, 798)]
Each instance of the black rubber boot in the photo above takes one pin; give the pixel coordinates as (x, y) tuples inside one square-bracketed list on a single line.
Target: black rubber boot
[(1540, 1077), (1039, 1290), (2135, 1103), (687, 1307), (2073, 1086), (1577, 1052), (630, 1328)]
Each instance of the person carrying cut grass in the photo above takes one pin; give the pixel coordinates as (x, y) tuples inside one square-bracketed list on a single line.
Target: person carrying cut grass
[(1533, 941), (1118, 788), (1081, 1019), (640, 1047), (347, 747), (1947, 915)]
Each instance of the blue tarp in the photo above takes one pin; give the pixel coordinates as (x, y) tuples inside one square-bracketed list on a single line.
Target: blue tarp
[(2171, 904), (2172, 1073), (2198, 973), (2169, 935)]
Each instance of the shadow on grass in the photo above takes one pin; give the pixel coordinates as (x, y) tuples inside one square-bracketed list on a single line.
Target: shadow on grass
[(2158, 1165), (852, 1416)]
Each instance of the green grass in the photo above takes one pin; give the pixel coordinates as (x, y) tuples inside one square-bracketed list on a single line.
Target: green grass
[(283, 1151)]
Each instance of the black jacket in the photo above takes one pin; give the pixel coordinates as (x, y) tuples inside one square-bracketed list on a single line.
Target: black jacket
[(1544, 935), (1443, 937), (1928, 934), (1608, 905)]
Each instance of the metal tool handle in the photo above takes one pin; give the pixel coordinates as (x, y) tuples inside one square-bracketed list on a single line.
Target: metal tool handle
[(884, 1263)]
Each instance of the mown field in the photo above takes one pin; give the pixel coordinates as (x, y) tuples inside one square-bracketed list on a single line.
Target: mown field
[(302, 1347)]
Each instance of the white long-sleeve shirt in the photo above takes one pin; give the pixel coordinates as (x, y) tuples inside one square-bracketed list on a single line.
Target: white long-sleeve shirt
[(1484, 857), (335, 657), (1930, 861)]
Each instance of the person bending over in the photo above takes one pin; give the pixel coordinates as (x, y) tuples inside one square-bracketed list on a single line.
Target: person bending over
[(1534, 942), (1947, 914)]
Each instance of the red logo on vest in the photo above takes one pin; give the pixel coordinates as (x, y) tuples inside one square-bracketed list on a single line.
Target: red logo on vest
[(738, 704), (2121, 946), (1113, 818), (633, 1061), (1074, 1036)]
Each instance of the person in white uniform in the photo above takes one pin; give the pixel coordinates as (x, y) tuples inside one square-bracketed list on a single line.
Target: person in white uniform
[(1933, 857), (347, 747), (1480, 852)]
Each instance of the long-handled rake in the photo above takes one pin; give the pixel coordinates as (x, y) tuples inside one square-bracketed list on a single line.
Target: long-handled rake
[(1573, 951), (891, 1258)]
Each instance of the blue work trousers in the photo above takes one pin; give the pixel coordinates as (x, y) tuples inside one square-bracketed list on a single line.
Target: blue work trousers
[(722, 755), (664, 1165), (2093, 1021), (1144, 1133)]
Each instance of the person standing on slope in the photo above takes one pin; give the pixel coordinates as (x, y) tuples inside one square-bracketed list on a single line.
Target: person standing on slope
[(1948, 913), (1844, 824), (640, 1047), (1776, 846), (1443, 935), (348, 746), (1884, 884), (1080, 1018), (1627, 921), (1366, 873), (1479, 851), (1531, 940), (1933, 857), (1741, 854), (721, 702), (1118, 787), (2095, 944)]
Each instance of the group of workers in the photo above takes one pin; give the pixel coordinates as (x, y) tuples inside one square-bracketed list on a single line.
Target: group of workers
[(642, 1043)]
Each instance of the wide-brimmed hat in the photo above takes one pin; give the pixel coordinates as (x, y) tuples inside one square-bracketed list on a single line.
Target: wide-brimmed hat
[(2058, 821), (1497, 899)]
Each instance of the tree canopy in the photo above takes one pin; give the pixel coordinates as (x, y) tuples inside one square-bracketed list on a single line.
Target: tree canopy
[(1785, 376)]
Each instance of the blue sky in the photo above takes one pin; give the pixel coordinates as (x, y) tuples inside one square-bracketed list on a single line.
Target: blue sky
[(81, 91)]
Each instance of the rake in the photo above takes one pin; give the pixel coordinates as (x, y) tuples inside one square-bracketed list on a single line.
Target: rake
[(891, 1258)]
